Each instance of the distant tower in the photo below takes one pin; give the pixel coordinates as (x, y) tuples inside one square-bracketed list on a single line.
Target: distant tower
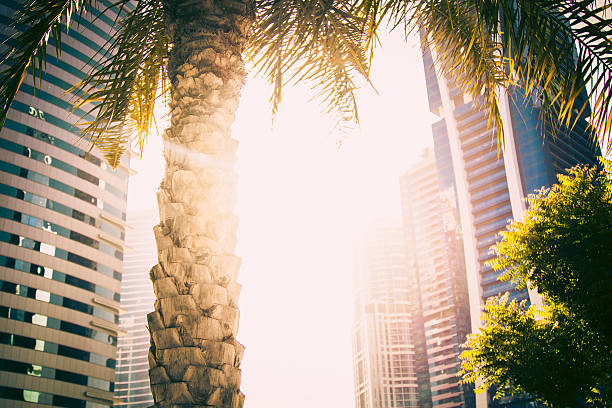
[(386, 372), (431, 225), (62, 228), (137, 297), (491, 184)]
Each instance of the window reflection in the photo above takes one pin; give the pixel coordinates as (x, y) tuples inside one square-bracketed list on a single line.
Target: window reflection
[(31, 396), (58, 349), (58, 185), (56, 252), (41, 398), (44, 296), (39, 320), (37, 134), (55, 374), (50, 273), (58, 230), (51, 161), (34, 370), (53, 323)]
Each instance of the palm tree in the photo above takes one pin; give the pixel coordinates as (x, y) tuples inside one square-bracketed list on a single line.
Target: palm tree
[(196, 48)]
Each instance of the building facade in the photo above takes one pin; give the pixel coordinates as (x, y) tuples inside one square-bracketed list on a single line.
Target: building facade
[(386, 331), (491, 184), (132, 377), (431, 222), (62, 228)]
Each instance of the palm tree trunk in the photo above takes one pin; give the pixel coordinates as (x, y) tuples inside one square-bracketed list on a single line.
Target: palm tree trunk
[(194, 357)]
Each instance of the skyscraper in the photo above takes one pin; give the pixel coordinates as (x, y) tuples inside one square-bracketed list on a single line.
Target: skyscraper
[(386, 370), (491, 184), (431, 223), (132, 378), (62, 224)]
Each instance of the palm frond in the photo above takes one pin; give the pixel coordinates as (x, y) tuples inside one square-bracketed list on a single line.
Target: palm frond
[(466, 48), (319, 42), (558, 51), (468, 52), (561, 51), (32, 26), (123, 86)]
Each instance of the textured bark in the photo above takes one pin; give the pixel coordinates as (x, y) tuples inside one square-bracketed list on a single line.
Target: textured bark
[(194, 357)]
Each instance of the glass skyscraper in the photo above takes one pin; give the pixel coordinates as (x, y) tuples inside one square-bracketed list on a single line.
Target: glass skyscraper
[(431, 223), (62, 226), (132, 388), (492, 185), (386, 331)]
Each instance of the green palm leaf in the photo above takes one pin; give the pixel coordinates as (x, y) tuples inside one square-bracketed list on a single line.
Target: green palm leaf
[(32, 27), (318, 42), (123, 86), (560, 50), (466, 50), (557, 51)]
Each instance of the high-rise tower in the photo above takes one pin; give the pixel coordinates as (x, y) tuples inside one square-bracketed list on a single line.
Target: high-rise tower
[(62, 225), (132, 378), (386, 331), (431, 224), (492, 185)]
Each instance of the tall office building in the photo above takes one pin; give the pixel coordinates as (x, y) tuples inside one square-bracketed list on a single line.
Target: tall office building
[(62, 223), (386, 370), (431, 223), (492, 185), (132, 377)]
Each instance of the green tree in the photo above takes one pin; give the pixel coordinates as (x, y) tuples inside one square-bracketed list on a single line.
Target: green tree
[(551, 354), (561, 353), (196, 50), (562, 248)]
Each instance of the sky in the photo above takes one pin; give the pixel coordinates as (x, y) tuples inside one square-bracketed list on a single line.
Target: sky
[(303, 202)]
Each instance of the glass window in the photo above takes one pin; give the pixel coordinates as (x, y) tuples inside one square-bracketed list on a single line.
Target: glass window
[(16, 394), (44, 296), (62, 401), (45, 321), (68, 168), (53, 348), (69, 147), (52, 250), (58, 185), (50, 273), (112, 230)]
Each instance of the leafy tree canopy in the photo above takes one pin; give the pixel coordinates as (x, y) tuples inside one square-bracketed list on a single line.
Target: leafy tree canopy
[(561, 353), (550, 353), (563, 247)]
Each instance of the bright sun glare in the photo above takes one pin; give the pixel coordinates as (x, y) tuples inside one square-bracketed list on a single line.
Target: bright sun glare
[(302, 202)]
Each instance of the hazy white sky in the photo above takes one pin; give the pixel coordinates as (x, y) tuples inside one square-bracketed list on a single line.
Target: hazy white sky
[(302, 203)]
